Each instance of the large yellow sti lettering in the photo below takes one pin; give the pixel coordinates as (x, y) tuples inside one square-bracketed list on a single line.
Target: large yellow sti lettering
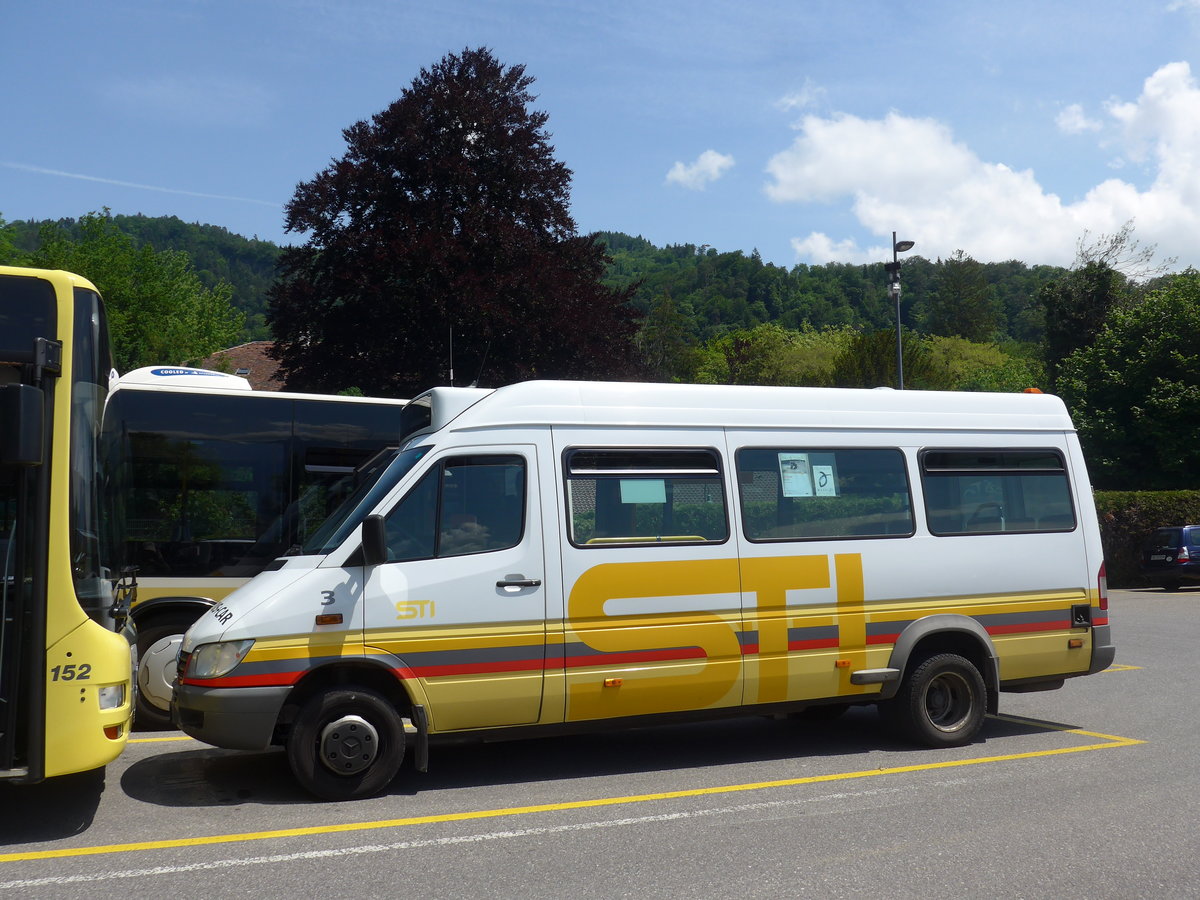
[(769, 579), (667, 659)]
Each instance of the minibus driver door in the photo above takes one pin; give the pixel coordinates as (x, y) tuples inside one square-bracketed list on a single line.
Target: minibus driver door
[(458, 598)]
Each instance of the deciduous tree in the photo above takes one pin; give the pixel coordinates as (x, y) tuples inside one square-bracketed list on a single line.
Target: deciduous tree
[(869, 361), (1106, 276), (8, 252), (1135, 391), (158, 310), (447, 215)]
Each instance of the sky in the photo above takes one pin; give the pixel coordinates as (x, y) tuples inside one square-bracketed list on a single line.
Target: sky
[(808, 130)]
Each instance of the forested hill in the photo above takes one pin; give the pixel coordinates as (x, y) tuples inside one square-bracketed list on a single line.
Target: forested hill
[(717, 291), (247, 264), (714, 292)]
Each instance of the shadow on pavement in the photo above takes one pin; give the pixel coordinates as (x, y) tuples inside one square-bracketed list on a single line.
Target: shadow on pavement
[(49, 811), (210, 777)]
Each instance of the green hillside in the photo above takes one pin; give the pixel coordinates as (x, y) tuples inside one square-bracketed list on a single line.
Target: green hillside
[(718, 292), (218, 254), (715, 292)]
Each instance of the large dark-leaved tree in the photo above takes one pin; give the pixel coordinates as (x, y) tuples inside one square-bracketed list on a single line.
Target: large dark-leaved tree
[(446, 218)]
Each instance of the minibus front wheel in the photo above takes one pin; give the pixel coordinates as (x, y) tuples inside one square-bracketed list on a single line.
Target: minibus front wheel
[(346, 743), (941, 702)]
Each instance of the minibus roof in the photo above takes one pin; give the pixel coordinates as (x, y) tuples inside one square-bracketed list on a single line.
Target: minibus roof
[(636, 404)]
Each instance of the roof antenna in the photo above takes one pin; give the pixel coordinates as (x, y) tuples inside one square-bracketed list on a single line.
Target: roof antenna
[(486, 350)]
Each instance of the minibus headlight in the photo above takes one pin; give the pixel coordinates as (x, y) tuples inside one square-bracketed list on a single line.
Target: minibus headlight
[(215, 660), (112, 696)]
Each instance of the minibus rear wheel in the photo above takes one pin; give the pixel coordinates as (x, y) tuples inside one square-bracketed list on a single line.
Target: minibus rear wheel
[(346, 743), (941, 702)]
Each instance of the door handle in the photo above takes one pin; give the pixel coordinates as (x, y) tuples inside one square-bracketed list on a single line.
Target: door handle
[(518, 582)]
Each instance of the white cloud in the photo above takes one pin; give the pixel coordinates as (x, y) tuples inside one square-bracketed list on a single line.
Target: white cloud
[(1072, 120), (810, 94), (912, 176), (708, 167)]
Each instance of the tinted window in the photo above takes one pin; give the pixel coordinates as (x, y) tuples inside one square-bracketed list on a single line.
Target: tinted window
[(91, 561), (376, 482), (463, 505), (209, 481), (333, 440), (996, 491), (221, 484), (645, 496), (797, 493), (27, 311), (1166, 539)]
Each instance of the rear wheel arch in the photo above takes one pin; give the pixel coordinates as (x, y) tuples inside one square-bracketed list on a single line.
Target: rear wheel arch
[(946, 633)]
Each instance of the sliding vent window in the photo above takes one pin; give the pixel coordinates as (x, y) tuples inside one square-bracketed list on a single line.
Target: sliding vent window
[(791, 494), (636, 497), (996, 491)]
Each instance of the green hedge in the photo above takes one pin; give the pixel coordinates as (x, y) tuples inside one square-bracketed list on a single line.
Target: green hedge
[(1128, 517)]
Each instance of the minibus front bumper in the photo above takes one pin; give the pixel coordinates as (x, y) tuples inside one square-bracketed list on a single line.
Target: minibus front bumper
[(241, 718)]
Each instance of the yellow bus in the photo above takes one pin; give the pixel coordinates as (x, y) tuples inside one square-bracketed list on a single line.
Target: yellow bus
[(66, 655)]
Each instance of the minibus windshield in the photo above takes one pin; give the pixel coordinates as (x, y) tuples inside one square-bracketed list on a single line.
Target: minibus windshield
[(355, 507)]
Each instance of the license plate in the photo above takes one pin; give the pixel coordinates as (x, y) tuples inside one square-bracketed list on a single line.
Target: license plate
[(1155, 557)]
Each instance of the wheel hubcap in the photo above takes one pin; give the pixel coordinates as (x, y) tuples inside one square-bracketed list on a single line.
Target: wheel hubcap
[(948, 701), (349, 745), (156, 671)]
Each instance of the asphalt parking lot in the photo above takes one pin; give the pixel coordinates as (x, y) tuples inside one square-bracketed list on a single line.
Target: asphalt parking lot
[(1090, 791)]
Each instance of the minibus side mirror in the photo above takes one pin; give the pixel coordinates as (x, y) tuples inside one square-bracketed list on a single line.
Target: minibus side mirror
[(21, 409), (374, 541)]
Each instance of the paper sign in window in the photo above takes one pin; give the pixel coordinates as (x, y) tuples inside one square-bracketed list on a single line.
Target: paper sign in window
[(795, 475), (643, 490), (825, 481)]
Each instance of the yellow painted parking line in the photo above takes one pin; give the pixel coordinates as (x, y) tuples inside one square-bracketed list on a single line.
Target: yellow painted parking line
[(1119, 668), (1106, 742), (161, 740)]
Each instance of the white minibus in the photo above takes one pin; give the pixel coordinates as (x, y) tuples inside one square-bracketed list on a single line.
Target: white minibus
[(554, 555)]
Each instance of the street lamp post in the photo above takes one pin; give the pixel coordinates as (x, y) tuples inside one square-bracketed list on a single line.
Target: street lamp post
[(893, 270)]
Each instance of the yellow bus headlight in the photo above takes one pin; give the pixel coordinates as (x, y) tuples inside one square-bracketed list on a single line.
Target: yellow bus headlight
[(112, 696)]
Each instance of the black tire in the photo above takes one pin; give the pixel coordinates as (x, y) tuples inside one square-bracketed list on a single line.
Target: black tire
[(941, 702), (158, 646), (346, 743), (1171, 586)]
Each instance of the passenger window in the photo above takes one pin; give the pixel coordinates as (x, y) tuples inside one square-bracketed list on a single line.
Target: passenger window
[(637, 497), (996, 491), (797, 493), (469, 504)]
